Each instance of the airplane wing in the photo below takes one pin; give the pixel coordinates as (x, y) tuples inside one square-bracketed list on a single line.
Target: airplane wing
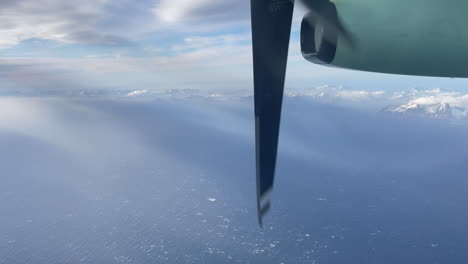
[(271, 28)]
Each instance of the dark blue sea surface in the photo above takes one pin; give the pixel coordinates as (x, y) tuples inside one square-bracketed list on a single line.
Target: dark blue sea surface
[(173, 181)]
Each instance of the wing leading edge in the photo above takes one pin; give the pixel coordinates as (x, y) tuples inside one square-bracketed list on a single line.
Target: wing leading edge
[(271, 29)]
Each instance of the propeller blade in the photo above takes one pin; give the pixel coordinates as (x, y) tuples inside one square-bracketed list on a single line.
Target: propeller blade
[(271, 29)]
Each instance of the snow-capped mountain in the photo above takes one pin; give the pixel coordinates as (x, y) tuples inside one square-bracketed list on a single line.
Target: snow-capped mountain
[(442, 111)]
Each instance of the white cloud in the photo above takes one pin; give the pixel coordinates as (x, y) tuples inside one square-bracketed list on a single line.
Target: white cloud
[(175, 10), (434, 96), (137, 93), (455, 100), (205, 16), (353, 95), (65, 21), (378, 93), (203, 42), (332, 92), (117, 22), (199, 67)]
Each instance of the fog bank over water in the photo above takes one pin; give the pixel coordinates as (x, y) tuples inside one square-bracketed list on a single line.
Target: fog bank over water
[(170, 179)]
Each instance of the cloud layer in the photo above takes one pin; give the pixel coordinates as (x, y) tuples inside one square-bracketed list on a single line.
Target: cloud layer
[(105, 22), (54, 20)]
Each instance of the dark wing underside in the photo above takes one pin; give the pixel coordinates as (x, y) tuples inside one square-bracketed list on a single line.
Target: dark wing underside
[(271, 28)]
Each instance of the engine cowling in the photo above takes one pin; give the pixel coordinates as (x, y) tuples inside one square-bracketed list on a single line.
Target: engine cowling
[(423, 37)]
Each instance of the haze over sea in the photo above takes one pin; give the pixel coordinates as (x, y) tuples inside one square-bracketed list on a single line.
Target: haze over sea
[(169, 178)]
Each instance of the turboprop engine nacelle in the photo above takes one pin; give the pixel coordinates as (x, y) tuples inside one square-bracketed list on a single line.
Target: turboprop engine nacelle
[(429, 43)]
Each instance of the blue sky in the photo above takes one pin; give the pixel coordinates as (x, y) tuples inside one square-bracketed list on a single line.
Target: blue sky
[(153, 45)]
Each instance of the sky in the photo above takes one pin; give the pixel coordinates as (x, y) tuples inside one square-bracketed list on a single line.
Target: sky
[(114, 44), (153, 45), (127, 136)]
